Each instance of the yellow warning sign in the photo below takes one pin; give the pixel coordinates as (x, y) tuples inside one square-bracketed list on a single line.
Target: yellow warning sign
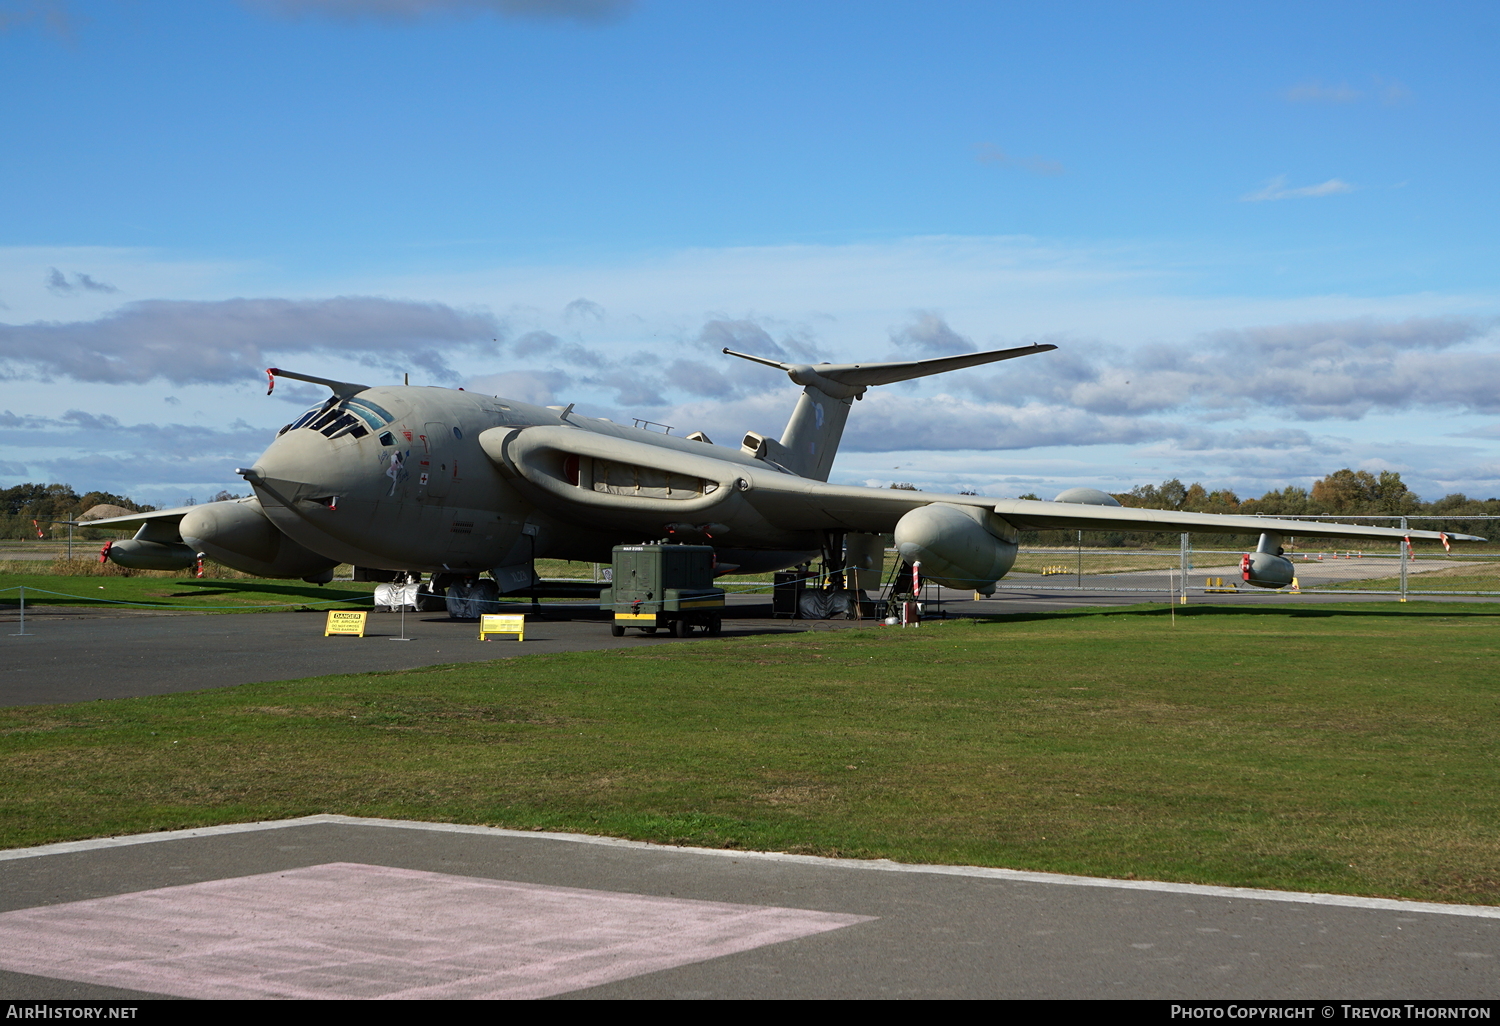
[(502, 623), (346, 621)]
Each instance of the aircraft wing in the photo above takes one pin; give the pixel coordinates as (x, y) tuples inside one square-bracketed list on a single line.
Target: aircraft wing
[(695, 483), (797, 502), (1035, 515), (164, 517)]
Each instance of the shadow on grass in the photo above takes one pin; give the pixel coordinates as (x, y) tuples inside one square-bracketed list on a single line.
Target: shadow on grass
[(1444, 610), (222, 587), (144, 592)]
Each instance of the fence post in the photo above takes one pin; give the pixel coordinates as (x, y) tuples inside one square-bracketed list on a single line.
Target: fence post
[(22, 632), (1405, 550), (1187, 562)]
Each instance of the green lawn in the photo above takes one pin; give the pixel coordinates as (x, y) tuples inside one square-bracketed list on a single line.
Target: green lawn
[(187, 592), (1347, 749), (1463, 575)]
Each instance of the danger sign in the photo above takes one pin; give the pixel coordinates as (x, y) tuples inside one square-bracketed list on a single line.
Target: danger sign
[(346, 621)]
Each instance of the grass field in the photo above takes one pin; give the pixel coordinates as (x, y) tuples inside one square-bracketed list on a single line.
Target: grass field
[(1463, 576), (1330, 748), (184, 592)]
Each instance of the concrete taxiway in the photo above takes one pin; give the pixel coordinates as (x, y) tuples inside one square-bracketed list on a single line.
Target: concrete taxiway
[(79, 654), (75, 656), (339, 907)]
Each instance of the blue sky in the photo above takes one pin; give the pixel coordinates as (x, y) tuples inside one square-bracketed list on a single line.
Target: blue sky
[(1263, 235)]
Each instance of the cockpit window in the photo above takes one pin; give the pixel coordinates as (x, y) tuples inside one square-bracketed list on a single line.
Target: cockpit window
[(328, 417), (341, 424), (357, 417), (309, 415), (366, 416), (379, 411)]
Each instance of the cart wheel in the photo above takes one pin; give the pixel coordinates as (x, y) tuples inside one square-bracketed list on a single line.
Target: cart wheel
[(679, 628), (617, 630), (648, 630), (715, 625)]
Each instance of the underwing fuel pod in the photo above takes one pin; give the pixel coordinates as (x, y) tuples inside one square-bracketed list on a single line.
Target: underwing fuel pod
[(1266, 567)]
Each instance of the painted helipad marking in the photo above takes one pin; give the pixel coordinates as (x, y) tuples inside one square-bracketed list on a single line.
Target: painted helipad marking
[(880, 865), (344, 930)]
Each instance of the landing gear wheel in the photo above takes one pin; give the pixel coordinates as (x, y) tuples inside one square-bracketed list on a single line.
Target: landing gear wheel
[(679, 628), (617, 630)]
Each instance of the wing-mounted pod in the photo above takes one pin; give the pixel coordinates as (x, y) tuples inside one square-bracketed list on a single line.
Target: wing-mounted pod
[(156, 545), (237, 534), (1266, 567), (965, 547), (812, 435), (234, 532), (147, 553)]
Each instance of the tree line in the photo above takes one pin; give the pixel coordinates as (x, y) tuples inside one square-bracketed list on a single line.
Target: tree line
[(23, 503), (1343, 493)]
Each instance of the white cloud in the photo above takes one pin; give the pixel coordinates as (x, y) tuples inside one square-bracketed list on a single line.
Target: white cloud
[(583, 309), (699, 379), (539, 388), (1276, 189), (1388, 91), (77, 429), (52, 15), (1155, 378), (747, 335), (926, 335), (58, 284), (989, 153), (229, 340), (160, 463), (1340, 370), (33, 293), (534, 343), (841, 301)]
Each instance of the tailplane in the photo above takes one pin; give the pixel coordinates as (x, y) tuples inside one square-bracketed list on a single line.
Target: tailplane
[(811, 439)]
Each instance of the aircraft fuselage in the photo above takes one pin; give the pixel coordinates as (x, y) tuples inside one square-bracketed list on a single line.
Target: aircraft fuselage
[(397, 478)]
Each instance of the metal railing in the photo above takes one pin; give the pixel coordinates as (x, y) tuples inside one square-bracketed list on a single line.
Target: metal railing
[(1351, 567)]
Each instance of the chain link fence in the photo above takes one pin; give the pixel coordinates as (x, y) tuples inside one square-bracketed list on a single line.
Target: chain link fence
[(1343, 567)]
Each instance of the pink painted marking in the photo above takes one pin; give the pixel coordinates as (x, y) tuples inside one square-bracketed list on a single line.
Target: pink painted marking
[(344, 930)]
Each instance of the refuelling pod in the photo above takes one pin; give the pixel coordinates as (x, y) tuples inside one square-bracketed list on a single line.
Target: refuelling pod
[(958, 546), (1087, 497), (1265, 567), (237, 534), (1266, 570), (143, 554)]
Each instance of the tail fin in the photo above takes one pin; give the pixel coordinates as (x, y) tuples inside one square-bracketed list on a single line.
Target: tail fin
[(812, 435)]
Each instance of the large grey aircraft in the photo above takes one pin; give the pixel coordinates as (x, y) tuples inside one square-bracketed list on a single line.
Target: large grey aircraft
[(456, 484)]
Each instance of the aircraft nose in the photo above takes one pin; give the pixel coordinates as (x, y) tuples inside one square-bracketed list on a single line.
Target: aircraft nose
[(300, 465)]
